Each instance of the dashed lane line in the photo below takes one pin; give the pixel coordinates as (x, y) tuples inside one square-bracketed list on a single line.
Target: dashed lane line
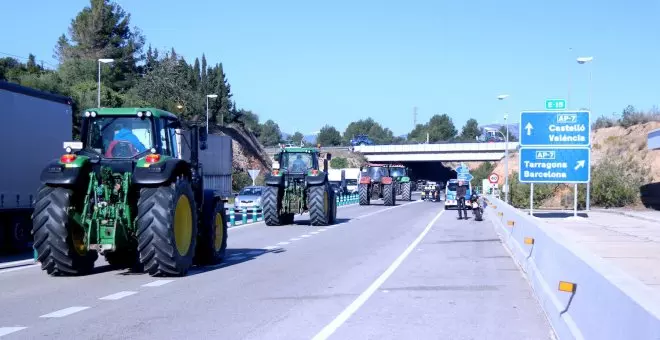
[(283, 243), (295, 239), (64, 312), (117, 296), (8, 330), (314, 232), (157, 283), (305, 235)]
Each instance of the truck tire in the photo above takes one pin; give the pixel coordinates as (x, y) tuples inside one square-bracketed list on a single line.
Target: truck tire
[(389, 194), (405, 192), (271, 208), (363, 191), (58, 240), (167, 228), (212, 242), (320, 205)]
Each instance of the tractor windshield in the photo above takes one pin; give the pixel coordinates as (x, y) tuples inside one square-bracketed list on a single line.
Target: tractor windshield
[(376, 172), (119, 137), (397, 172), (298, 162)]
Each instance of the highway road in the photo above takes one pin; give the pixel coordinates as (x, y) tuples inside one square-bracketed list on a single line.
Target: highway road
[(412, 271)]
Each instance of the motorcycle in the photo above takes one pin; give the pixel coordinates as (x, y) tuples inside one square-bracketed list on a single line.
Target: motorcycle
[(477, 209)]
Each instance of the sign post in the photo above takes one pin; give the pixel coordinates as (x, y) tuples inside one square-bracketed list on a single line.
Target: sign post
[(555, 147), (253, 174)]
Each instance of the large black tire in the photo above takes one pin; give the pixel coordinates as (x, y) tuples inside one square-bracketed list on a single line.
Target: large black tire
[(59, 241), (212, 241), (405, 191), (320, 205), (272, 206), (477, 215), (389, 194), (363, 191), (333, 211), (167, 228)]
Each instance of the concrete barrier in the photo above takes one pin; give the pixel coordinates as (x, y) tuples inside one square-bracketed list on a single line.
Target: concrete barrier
[(583, 296)]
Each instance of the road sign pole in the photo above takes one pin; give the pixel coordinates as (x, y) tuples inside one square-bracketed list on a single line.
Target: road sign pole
[(531, 200), (575, 199)]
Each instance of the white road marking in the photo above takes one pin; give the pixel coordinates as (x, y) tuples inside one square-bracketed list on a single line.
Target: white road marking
[(117, 296), (157, 283), (282, 243), (331, 227), (16, 263), (64, 312), (295, 239), (314, 232), (19, 268), (355, 305), (386, 209), (271, 247), (305, 235), (8, 330)]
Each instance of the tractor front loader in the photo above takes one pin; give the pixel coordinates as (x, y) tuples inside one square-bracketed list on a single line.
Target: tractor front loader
[(125, 192), (376, 182), (297, 185)]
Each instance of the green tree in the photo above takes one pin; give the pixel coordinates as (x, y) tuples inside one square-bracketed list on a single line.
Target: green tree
[(102, 30), (368, 127), (328, 136), (297, 138), (482, 172), (520, 192), (240, 180), (470, 130), (339, 163), (512, 138), (441, 128), (270, 133)]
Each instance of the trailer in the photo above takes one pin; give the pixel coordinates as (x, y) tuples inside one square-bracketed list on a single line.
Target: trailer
[(216, 162), (35, 126)]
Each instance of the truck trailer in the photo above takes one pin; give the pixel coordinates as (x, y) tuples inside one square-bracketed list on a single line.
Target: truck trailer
[(35, 125)]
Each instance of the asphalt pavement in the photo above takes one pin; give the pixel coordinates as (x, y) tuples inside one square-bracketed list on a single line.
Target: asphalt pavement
[(412, 271)]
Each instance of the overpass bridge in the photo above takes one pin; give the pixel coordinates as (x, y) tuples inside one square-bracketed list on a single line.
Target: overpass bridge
[(448, 152)]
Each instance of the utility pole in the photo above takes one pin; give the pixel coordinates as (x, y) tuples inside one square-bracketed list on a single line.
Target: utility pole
[(414, 117)]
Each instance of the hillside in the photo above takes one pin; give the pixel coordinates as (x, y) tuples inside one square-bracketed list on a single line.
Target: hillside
[(248, 152)]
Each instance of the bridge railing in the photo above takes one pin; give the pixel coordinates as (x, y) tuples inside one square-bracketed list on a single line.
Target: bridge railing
[(583, 296)]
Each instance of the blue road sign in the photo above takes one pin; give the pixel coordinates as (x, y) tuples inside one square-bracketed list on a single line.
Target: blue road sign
[(464, 177), (555, 165), (462, 170), (567, 128)]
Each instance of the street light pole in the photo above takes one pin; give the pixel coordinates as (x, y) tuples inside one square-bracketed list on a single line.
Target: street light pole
[(207, 110), (506, 153), (584, 60), (98, 87)]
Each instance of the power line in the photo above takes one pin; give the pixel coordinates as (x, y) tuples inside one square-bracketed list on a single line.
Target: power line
[(28, 58)]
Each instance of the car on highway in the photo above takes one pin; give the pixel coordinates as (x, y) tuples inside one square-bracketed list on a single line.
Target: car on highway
[(249, 197)]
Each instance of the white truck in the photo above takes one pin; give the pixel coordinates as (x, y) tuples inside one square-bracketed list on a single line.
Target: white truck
[(35, 126), (352, 176)]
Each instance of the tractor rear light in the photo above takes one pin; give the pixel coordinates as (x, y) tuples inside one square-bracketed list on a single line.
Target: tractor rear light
[(276, 172), (152, 158), (68, 158), (315, 172)]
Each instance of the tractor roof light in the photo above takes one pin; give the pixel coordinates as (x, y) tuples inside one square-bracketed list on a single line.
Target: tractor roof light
[(152, 158), (148, 113), (140, 114), (68, 158)]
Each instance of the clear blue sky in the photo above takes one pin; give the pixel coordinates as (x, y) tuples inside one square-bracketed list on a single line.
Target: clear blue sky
[(344, 60)]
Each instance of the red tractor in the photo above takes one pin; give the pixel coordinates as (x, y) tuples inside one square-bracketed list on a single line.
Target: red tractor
[(376, 182)]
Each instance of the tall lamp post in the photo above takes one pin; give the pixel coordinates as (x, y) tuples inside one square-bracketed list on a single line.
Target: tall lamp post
[(581, 61), (207, 110), (105, 61), (506, 152)]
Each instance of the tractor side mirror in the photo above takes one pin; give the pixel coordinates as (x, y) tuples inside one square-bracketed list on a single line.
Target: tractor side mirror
[(328, 156), (203, 138)]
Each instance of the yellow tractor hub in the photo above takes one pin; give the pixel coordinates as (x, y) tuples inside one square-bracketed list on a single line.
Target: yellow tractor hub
[(183, 225), (219, 231)]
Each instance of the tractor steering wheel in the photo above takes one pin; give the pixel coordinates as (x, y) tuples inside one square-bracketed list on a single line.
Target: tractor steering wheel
[(121, 149)]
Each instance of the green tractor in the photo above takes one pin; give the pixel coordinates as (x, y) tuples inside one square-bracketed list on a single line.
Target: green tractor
[(400, 174), (126, 192), (376, 182), (297, 185)]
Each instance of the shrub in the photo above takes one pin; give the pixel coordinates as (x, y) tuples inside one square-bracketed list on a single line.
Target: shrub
[(615, 182), (239, 180), (519, 194), (338, 163)]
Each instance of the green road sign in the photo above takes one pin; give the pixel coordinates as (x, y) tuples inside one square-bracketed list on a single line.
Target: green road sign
[(555, 104)]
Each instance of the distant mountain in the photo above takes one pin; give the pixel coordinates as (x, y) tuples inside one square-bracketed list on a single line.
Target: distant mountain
[(308, 138)]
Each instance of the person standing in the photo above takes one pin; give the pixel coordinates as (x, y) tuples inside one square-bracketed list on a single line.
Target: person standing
[(461, 191)]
